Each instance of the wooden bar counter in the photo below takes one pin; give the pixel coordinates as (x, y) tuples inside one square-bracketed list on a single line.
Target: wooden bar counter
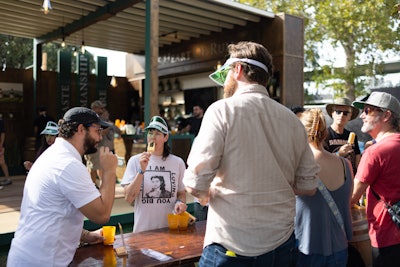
[(183, 246)]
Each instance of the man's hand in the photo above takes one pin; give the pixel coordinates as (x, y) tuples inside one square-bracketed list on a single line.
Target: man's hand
[(108, 161), (345, 150)]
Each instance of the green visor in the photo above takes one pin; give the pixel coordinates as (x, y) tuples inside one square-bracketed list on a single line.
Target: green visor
[(219, 76)]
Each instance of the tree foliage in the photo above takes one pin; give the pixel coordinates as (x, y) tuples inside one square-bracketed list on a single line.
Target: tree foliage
[(17, 53), (363, 29)]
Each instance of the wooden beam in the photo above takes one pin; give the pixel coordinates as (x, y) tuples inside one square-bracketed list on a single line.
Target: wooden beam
[(151, 60), (102, 13)]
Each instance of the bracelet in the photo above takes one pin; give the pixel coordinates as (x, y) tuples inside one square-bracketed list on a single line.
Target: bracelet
[(178, 201), (141, 172)]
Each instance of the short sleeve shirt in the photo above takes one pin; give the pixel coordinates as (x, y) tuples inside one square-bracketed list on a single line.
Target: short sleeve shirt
[(161, 183), (50, 225)]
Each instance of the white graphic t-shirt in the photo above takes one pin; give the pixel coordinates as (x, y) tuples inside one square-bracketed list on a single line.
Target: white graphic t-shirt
[(161, 183)]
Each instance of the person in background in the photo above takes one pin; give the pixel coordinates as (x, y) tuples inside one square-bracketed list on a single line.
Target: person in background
[(378, 174), (369, 143), (322, 241), (250, 159), (3, 164), (93, 160), (194, 122), (59, 193), (151, 211), (297, 110), (200, 210), (49, 137), (342, 112), (39, 124), (162, 115)]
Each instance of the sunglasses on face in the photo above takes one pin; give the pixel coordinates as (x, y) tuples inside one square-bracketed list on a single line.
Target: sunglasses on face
[(338, 112), (370, 110)]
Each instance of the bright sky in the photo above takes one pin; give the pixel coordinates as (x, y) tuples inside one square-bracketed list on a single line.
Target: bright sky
[(116, 61), (337, 56)]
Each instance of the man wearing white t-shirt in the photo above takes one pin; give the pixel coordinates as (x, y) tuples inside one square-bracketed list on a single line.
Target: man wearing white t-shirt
[(59, 192)]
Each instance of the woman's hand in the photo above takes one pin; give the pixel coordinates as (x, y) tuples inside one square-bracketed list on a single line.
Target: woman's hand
[(144, 160)]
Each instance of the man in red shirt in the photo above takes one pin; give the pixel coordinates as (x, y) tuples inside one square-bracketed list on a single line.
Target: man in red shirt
[(378, 173)]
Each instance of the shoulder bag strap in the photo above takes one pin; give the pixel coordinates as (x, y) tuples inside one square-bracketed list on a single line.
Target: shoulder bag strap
[(374, 193), (387, 204), (331, 203)]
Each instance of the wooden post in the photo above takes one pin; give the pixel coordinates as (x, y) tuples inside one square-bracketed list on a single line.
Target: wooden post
[(151, 69)]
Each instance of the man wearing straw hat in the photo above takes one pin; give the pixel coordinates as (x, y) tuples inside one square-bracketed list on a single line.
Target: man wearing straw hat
[(342, 112)]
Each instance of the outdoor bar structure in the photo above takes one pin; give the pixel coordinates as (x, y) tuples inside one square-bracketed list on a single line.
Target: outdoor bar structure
[(180, 43)]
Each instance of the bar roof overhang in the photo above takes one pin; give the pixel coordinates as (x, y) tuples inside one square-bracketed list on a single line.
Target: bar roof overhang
[(125, 25), (121, 24)]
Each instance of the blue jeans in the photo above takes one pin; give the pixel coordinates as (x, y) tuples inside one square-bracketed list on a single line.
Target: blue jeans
[(283, 256), (338, 259)]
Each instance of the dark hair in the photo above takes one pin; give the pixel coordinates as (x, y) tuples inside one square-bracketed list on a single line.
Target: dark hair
[(257, 52), (166, 151), (200, 105), (161, 179), (42, 147), (67, 129), (297, 109), (41, 108)]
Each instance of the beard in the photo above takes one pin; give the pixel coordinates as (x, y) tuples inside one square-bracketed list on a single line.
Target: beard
[(89, 145), (230, 87), (369, 126)]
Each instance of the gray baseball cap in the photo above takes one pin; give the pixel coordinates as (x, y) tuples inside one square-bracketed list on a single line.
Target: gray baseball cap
[(380, 100)]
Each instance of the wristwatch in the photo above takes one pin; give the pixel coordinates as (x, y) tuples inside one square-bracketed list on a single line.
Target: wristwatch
[(141, 172)]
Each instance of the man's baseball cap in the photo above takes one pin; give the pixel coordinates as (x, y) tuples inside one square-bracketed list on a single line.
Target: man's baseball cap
[(380, 100), (159, 124), (85, 116)]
